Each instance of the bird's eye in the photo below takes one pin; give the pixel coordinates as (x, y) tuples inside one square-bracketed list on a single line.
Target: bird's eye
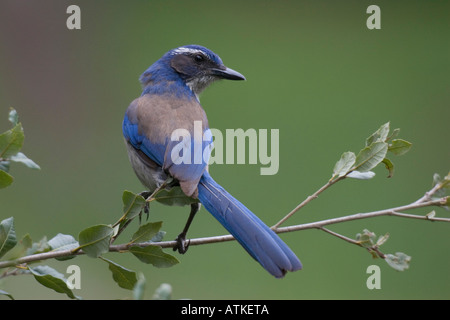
[(199, 58)]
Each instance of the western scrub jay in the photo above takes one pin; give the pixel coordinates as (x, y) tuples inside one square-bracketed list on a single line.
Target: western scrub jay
[(167, 112)]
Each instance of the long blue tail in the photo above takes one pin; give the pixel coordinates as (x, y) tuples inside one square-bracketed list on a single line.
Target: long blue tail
[(259, 240)]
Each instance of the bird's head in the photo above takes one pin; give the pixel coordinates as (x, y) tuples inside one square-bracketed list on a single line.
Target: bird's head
[(195, 66)]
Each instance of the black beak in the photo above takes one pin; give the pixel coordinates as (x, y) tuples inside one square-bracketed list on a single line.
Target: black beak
[(227, 73)]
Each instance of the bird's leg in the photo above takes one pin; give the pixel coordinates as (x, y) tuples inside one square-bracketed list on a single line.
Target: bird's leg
[(148, 195), (182, 245), (145, 195)]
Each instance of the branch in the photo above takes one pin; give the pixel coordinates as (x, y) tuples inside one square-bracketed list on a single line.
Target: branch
[(385, 212), (207, 240)]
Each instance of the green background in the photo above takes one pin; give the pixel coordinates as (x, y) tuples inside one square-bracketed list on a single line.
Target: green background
[(314, 71)]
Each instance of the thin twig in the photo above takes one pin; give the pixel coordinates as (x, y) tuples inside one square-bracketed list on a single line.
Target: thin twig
[(427, 196), (306, 201), (355, 242), (340, 236), (414, 216)]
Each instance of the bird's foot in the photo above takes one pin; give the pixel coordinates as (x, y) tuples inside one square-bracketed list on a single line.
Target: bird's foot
[(146, 210), (182, 244)]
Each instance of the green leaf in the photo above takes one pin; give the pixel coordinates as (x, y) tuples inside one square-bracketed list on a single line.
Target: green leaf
[(430, 215), (8, 238), (21, 248), (158, 236), (379, 136), (446, 182), (399, 261), (399, 146), (132, 204), (174, 197), (5, 179), (63, 242), (382, 240), (163, 292), (395, 133), (361, 175), (39, 247), (52, 279), (366, 238), (11, 141), (124, 277), (389, 166), (13, 117), (95, 240), (139, 288), (20, 157), (369, 157), (4, 165), (26, 241), (441, 185), (154, 255), (4, 293), (344, 164), (447, 202), (146, 232)]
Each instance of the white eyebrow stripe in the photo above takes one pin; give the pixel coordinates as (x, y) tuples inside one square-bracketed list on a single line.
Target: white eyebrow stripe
[(187, 50)]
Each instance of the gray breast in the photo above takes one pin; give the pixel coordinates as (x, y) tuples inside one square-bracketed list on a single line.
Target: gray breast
[(149, 173)]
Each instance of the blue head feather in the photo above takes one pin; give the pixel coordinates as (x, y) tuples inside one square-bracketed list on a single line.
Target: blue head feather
[(162, 78)]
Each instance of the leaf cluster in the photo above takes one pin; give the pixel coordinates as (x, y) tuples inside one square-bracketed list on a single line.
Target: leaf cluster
[(442, 188), (399, 261), (11, 143), (378, 144), (93, 241)]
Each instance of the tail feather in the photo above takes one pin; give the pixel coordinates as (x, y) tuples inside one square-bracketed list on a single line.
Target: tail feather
[(258, 239)]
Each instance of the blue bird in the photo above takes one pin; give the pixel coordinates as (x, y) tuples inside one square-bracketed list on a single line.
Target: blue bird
[(167, 116)]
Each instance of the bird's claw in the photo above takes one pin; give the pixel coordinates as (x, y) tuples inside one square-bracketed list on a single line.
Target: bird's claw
[(146, 209), (182, 244)]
